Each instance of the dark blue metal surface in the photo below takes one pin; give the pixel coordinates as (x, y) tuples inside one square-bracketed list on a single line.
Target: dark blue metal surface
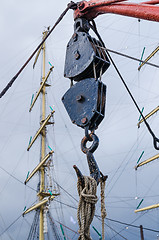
[(85, 103), (85, 56)]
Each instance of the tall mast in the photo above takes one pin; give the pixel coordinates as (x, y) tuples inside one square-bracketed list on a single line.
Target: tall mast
[(44, 195), (43, 141)]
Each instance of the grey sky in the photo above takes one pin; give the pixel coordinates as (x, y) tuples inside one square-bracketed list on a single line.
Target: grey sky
[(121, 143)]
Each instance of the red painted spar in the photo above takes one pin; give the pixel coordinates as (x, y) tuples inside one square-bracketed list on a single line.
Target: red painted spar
[(93, 8)]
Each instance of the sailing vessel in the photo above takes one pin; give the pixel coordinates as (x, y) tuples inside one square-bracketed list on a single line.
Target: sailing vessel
[(121, 142)]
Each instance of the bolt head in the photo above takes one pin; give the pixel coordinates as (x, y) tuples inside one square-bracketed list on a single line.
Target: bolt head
[(79, 98), (84, 120), (75, 37), (77, 55)]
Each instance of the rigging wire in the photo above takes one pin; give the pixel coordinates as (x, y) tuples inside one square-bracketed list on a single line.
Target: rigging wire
[(117, 233), (150, 187), (20, 228), (130, 57), (11, 175), (155, 139), (120, 167), (75, 208), (5, 227), (61, 207), (70, 136), (135, 34), (132, 222), (66, 191), (125, 55), (65, 204), (131, 225), (71, 5), (54, 227), (113, 220), (10, 225), (34, 226), (97, 216), (67, 227), (16, 178), (126, 157)]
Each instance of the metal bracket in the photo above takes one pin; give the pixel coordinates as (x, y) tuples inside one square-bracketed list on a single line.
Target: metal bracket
[(81, 25)]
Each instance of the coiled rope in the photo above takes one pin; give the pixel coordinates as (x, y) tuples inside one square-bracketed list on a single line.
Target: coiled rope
[(86, 206)]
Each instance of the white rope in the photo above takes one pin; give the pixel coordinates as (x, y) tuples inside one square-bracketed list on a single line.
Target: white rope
[(103, 209), (86, 206)]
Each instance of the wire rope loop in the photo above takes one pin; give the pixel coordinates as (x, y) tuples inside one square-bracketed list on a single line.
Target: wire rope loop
[(94, 145), (155, 141)]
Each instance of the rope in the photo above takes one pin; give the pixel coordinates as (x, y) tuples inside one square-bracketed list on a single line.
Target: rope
[(155, 139), (71, 5), (103, 210), (86, 206)]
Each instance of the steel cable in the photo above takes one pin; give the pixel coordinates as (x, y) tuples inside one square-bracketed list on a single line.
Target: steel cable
[(155, 139), (71, 5)]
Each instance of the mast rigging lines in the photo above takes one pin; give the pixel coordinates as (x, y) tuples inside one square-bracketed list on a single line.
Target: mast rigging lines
[(78, 7), (137, 60)]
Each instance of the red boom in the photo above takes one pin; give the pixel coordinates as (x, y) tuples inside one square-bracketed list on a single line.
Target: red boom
[(93, 8)]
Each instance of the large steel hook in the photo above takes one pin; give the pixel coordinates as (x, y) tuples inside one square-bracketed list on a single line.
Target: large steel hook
[(92, 164)]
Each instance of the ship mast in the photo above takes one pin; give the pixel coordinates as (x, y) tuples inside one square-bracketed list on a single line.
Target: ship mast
[(44, 195), (43, 146)]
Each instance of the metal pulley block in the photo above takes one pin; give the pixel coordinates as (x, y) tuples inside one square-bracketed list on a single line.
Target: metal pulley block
[(85, 103), (85, 57)]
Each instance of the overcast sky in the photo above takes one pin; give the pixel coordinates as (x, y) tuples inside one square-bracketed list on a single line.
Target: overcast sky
[(121, 142)]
